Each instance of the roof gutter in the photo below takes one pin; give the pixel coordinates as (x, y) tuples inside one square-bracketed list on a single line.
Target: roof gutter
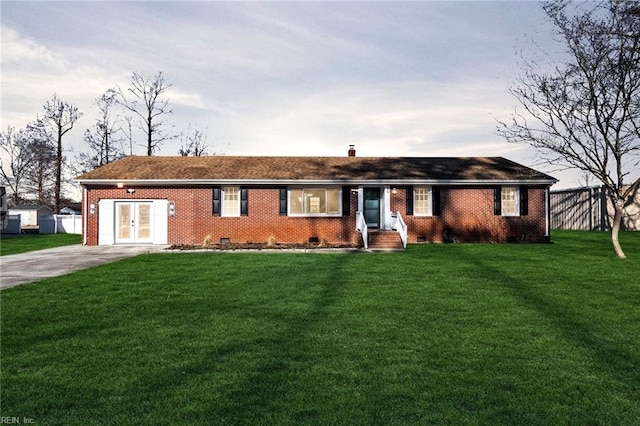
[(278, 182)]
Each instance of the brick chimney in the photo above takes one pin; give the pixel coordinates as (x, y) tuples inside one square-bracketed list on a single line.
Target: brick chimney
[(352, 151)]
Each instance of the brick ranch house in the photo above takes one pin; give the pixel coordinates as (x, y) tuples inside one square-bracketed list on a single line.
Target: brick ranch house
[(185, 200)]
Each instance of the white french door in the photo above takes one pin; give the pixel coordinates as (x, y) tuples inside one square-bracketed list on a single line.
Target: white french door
[(133, 222)]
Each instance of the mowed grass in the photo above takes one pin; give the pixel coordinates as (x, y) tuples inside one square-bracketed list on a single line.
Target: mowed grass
[(30, 242), (440, 334)]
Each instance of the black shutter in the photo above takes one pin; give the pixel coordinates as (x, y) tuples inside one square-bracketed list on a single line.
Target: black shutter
[(216, 201), (497, 201), (435, 193), (283, 201), (244, 201), (524, 201), (346, 201), (409, 196)]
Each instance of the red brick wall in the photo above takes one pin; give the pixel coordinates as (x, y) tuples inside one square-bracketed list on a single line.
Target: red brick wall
[(194, 220), (468, 211)]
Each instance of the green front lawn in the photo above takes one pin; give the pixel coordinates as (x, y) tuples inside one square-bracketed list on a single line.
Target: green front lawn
[(30, 242), (440, 334)]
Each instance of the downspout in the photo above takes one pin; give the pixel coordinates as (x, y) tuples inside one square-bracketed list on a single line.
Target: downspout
[(547, 214), (85, 213)]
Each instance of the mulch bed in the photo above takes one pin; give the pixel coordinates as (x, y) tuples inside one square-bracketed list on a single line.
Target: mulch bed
[(260, 246)]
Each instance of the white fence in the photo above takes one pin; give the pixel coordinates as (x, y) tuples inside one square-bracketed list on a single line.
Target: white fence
[(61, 224)]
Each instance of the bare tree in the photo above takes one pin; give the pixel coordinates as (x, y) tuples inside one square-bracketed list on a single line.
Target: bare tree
[(102, 140), (144, 99), (61, 116), (31, 169), (40, 174), (128, 131), (585, 114), (15, 159), (194, 143)]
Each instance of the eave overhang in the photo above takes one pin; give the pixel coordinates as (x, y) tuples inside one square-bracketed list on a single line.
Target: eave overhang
[(303, 182)]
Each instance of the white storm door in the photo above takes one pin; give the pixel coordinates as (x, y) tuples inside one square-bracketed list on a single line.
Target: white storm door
[(133, 222)]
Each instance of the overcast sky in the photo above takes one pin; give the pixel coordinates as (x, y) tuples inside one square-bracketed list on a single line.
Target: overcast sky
[(285, 78)]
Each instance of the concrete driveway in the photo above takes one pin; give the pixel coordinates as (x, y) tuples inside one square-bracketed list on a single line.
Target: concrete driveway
[(32, 266)]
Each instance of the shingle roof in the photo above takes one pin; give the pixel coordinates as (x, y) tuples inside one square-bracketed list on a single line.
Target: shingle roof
[(30, 207), (234, 168)]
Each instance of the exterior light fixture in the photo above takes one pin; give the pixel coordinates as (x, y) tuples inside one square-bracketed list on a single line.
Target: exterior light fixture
[(120, 185), (172, 208), (130, 190), (394, 191)]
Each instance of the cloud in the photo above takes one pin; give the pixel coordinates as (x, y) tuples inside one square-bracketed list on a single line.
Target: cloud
[(303, 78), (32, 73), (20, 50), (185, 98), (391, 118)]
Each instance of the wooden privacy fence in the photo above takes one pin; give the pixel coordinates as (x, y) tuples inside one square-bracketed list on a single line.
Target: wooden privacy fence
[(589, 209)]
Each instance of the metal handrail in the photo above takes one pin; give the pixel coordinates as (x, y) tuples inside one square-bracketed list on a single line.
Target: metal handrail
[(361, 226)]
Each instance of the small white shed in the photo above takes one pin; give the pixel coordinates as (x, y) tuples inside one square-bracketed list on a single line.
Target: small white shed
[(30, 214)]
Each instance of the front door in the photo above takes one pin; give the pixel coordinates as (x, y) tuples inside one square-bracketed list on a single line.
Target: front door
[(372, 207), (133, 222)]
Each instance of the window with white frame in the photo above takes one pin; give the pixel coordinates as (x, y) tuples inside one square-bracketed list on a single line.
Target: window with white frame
[(422, 201), (509, 201), (230, 201), (314, 201)]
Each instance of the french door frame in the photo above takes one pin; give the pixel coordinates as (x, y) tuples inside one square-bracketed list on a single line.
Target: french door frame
[(133, 222)]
